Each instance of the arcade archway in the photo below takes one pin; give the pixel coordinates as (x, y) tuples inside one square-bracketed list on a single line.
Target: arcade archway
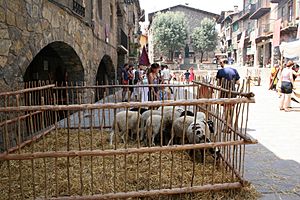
[(105, 75), (56, 63)]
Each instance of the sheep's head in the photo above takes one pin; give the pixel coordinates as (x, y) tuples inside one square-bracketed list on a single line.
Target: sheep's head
[(196, 132)]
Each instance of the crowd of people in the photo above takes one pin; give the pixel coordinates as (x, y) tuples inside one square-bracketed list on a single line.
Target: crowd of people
[(154, 75), (282, 80)]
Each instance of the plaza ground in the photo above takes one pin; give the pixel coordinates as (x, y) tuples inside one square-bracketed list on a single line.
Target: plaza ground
[(273, 165)]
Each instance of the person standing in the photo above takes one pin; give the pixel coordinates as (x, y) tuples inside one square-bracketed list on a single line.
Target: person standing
[(130, 79), (125, 80), (192, 75), (273, 77), (227, 77), (187, 76), (286, 80), (166, 74), (137, 80), (153, 79)]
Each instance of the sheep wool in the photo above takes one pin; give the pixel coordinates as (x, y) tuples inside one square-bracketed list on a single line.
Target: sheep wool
[(119, 126)]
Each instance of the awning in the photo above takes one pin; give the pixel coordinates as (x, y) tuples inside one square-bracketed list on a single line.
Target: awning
[(290, 49)]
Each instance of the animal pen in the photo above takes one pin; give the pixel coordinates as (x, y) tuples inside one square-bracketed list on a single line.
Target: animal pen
[(54, 144)]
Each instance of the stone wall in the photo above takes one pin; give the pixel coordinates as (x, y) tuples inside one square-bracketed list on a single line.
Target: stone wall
[(194, 17), (27, 26)]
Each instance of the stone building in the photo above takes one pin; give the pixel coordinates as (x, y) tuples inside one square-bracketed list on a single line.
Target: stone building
[(257, 22), (194, 17), (63, 40)]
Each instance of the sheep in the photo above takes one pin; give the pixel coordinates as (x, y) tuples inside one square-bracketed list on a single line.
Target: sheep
[(120, 126), (141, 110), (201, 116), (188, 125), (153, 127), (167, 108), (195, 132), (168, 118), (144, 118), (187, 113)]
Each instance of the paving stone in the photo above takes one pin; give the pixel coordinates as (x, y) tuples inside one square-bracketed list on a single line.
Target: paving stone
[(273, 165)]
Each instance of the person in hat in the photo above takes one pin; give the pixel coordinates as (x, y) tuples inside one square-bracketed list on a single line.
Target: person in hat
[(286, 80)]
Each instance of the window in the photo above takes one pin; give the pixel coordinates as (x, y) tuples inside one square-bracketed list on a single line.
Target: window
[(111, 15), (100, 9), (235, 27), (78, 7)]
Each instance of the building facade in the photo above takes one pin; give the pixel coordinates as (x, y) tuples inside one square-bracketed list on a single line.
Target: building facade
[(58, 41), (194, 17), (257, 22)]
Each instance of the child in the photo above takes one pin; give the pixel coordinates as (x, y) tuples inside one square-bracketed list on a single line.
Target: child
[(164, 93)]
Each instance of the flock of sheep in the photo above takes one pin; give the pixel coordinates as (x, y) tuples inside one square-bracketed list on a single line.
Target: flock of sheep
[(178, 126)]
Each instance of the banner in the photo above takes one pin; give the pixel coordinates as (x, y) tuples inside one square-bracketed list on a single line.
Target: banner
[(144, 60), (298, 32), (276, 35), (242, 40)]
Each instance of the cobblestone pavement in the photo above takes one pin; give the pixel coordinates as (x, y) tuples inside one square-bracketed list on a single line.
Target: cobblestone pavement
[(273, 165)]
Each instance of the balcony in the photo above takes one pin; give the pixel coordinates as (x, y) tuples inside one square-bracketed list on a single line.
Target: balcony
[(248, 10), (262, 8), (289, 25), (78, 8), (265, 30)]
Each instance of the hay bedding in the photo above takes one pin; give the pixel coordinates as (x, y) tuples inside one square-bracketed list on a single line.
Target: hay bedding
[(102, 169)]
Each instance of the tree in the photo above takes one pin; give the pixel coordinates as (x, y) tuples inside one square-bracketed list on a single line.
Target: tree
[(205, 37), (169, 32)]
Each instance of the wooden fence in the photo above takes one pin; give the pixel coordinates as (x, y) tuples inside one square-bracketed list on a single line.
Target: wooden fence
[(56, 149)]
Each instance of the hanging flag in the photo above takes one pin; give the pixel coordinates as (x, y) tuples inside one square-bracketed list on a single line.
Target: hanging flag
[(298, 32), (242, 40), (276, 34), (106, 31), (144, 59)]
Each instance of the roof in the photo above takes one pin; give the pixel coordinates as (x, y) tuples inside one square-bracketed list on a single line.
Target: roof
[(150, 15)]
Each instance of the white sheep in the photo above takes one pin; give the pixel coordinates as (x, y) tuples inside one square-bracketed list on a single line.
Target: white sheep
[(194, 130), (144, 118), (200, 116), (119, 126), (153, 127)]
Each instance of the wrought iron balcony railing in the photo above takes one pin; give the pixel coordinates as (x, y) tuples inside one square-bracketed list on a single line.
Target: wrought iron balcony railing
[(78, 8)]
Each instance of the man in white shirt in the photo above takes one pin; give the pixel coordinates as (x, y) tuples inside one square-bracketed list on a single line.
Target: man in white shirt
[(166, 74)]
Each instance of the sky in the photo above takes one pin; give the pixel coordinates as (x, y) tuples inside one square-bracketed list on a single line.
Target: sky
[(214, 6)]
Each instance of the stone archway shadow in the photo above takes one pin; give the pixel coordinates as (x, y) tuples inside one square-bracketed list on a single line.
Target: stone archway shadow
[(105, 76), (57, 63)]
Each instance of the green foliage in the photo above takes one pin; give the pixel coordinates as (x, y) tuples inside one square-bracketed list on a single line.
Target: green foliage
[(169, 31), (205, 37)]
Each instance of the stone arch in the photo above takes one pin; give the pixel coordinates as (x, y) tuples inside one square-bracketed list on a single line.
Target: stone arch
[(56, 62), (105, 75)]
